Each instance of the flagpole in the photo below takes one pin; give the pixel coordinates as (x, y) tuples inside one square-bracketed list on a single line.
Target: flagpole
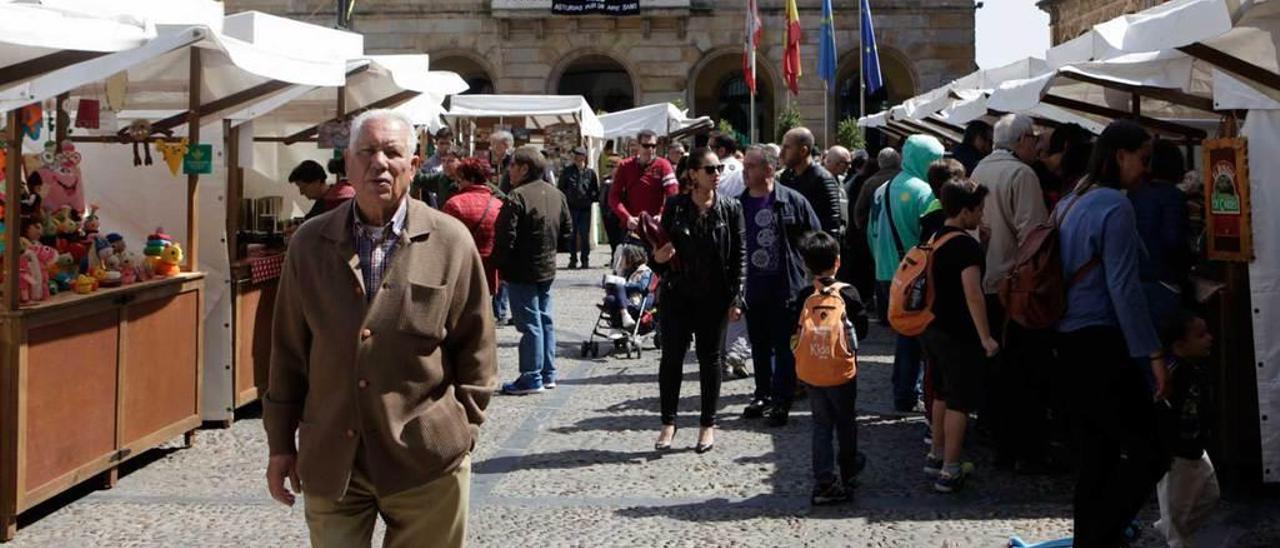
[(751, 137), (862, 72)]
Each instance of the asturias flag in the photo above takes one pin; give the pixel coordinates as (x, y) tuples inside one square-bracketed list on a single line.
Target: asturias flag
[(754, 32), (827, 50), (870, 55), (791, 53)]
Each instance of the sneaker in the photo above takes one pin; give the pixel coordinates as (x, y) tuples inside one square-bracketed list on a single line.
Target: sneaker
[(573, 264), (950, 483), (549, 382), (737, 367), (627, 321), (777, 415), (832, 493), (586, 264), (932, 466), (525, 384), (755, 409)]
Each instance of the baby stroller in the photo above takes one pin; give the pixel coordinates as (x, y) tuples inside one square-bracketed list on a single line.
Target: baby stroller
[(626, 341)]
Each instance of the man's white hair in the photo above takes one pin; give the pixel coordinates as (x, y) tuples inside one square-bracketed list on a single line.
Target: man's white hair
[(384, 114), (888, 158), (1010, 129), (502, 135)]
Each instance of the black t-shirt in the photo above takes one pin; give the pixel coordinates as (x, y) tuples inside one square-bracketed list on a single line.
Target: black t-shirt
[(950, 310)]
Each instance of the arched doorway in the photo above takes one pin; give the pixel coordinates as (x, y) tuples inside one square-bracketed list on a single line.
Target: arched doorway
[(719, 90), (471, 70), (603, 81), (899, 85)]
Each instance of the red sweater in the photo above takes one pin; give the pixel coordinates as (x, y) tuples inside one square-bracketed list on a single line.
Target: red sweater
[(636, 189), (469, 206)]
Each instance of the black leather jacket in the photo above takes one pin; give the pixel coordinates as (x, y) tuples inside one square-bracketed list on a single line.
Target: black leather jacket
[(711, 249), (819, 187)]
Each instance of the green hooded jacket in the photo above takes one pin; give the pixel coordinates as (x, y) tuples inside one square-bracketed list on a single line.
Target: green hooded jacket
[(909, 197)]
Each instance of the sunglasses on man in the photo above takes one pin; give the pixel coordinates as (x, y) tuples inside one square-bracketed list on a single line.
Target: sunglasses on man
[(649, 145)]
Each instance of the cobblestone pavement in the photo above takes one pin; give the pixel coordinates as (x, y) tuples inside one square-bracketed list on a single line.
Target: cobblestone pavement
[(575, 467)]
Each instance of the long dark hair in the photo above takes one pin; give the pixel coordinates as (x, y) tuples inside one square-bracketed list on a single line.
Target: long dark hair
[(1124, 135)]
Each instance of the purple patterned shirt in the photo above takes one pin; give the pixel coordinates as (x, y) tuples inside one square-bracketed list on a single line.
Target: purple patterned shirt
[(375, 245)]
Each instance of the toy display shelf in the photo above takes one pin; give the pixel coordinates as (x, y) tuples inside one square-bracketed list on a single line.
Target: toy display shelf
[(89, 381)]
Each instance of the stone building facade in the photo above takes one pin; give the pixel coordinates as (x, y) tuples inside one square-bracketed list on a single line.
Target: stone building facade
[(1071, 18), (684, 51)]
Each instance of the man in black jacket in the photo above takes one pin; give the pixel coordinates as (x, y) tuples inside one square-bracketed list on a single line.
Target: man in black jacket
[(529, 229), (776, 219), (811, 180), (581, 187)]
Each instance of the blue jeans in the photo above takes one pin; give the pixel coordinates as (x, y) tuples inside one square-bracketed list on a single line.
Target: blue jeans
[(834, 419), (581, 242), (906, 362), (769, 327), (501, 303), (531, 308)]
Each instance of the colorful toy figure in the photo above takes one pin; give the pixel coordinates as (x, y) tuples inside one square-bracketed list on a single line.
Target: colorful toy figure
[(109, 274), (117, 242), (170, 261), (64, 271), (30, 278), (91, 223), (62, 182), (131, 268), (48, 258), (84, 285)]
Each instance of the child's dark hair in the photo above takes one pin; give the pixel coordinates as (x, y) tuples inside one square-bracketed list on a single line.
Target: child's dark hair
[(1176, 327), (960, 194), (820, 251)]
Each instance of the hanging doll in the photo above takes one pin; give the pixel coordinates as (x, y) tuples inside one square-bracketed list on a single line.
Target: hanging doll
[(138, 133)]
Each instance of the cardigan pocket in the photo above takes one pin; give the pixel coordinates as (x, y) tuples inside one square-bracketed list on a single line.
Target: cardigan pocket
[(422, 312)]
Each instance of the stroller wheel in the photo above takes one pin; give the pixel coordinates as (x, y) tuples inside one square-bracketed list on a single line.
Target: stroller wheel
[(595, 350), (586, 348)]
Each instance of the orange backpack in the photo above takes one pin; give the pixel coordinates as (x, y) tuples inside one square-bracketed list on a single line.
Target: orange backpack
[(910, 293), (825, 346)]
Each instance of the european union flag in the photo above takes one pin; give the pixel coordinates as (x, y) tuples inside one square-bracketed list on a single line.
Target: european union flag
[(827, 52), (870, 55)]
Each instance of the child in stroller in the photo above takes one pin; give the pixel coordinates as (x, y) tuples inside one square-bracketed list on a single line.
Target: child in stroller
[(626, 311), (627, 289)]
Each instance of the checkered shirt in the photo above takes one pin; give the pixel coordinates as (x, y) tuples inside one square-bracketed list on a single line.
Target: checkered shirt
[(375, 245)]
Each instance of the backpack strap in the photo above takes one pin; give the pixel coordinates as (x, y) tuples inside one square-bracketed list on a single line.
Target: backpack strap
[(888, 212), (488, 206)]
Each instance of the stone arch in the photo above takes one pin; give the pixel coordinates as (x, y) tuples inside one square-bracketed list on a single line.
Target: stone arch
[(606, 80), (899, 75), (721, 68), (471, 66)]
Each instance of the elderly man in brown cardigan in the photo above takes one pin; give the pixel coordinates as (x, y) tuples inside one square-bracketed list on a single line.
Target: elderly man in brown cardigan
[(383, 358)]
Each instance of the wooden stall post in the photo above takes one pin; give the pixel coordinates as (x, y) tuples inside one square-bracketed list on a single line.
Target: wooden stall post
[(193, 179), (12, 336)]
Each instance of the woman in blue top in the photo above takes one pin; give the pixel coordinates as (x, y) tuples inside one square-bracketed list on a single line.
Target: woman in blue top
[(1107, 326)]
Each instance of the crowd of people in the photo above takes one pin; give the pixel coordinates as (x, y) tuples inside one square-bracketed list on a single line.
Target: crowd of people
[(775, 255)]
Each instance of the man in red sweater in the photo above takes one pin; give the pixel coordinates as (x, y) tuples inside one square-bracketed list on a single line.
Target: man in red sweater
[(641, 183)]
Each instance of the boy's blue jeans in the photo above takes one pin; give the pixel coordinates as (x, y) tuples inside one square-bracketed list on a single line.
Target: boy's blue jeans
[(834, 420)]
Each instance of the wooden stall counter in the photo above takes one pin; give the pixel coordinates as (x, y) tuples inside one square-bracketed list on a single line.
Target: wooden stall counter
[(90, 381), (255, 281)]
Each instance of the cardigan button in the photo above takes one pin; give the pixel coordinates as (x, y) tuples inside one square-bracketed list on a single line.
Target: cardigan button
[(350, 433), (362, 383), (365, 334)]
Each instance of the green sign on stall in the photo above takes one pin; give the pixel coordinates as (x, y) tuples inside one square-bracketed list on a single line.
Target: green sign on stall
[(199, 160)]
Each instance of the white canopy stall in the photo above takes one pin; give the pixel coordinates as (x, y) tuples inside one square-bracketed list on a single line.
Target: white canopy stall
[(661, 118)]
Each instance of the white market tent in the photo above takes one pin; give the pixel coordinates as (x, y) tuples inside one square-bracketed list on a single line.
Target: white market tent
[(661, 118), (1178, 69), (539, 111)]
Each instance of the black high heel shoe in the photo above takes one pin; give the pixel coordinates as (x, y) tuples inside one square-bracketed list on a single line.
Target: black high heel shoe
[(659, 446), (704, 448)]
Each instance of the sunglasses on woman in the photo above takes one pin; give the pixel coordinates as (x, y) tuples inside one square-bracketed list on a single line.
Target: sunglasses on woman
[(712, 170)]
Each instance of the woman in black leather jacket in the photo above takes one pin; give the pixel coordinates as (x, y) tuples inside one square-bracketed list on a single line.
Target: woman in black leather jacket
[(703, 267)]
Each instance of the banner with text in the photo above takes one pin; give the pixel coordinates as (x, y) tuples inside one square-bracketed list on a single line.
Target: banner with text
[(602, 7)]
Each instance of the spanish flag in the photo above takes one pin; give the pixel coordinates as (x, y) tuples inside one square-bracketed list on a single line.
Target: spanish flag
[(791, 54)]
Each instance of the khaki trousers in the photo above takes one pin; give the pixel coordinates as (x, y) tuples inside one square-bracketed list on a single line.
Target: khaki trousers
[(433, 515)]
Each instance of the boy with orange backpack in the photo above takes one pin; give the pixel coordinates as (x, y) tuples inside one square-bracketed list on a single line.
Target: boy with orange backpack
[(825, 345)]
